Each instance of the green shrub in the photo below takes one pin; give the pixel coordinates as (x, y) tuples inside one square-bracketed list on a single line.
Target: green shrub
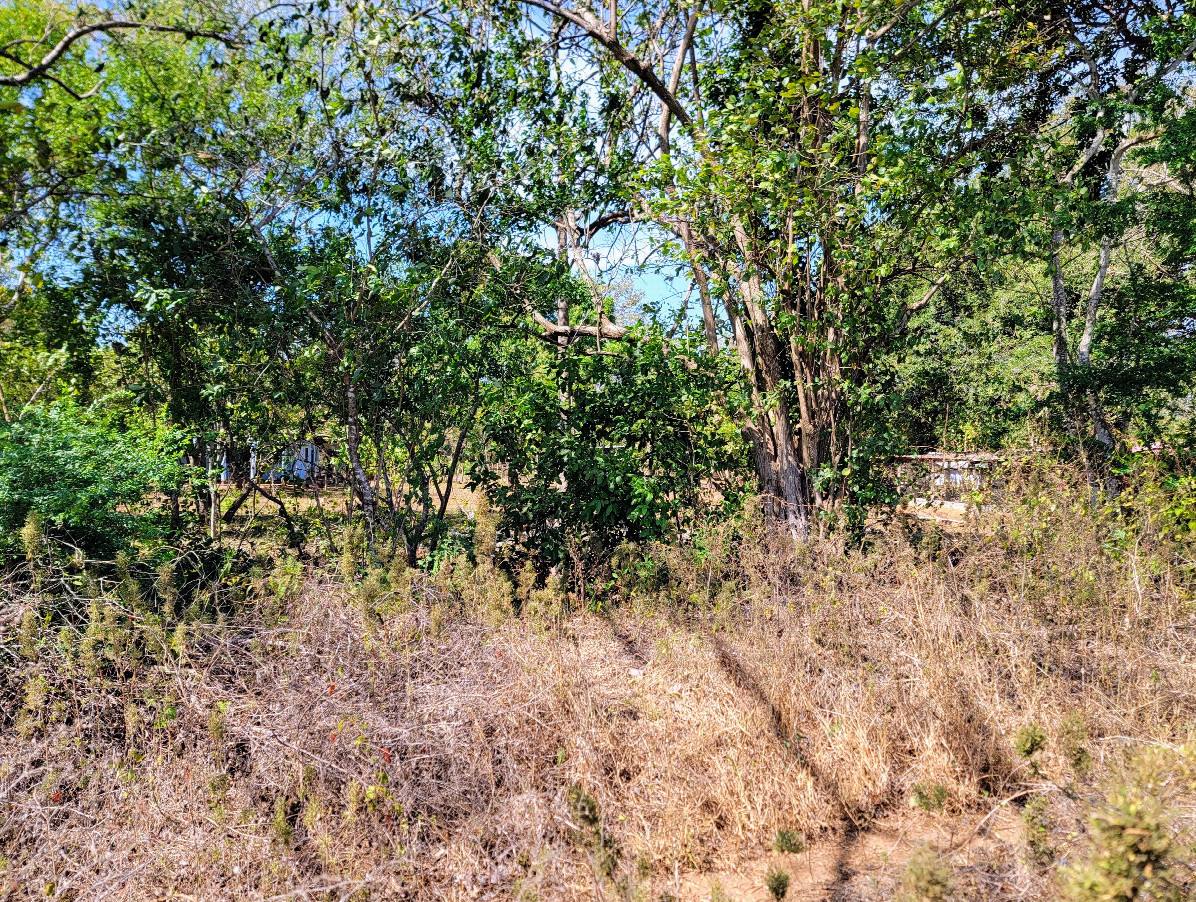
[(777, 882), (83, 477), (789, 841), (1131, 852)]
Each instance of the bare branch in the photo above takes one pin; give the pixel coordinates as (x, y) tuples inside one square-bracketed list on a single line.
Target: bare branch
[(1088, 154), (606, 329), (930, 293), (606, 219), (34, 71), (633, 64), (873, 37), (675, 80)]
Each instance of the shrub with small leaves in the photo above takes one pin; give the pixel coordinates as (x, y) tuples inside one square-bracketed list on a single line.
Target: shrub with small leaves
[(68, 470), (927, 878), (1029, 741), (777, 883), (1131, 852)]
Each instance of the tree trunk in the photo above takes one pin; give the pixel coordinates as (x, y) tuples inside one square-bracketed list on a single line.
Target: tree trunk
[(1061, 351), (783, 484), (361, 481), (790, 476)]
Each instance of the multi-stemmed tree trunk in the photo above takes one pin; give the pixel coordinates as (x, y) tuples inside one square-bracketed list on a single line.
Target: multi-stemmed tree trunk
[(794, 210), (781, 295), (1127, 83)]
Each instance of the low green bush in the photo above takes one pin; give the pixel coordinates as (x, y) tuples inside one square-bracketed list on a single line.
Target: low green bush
[(84, 477)]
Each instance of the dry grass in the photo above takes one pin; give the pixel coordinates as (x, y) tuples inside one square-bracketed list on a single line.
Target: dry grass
[(426, 744)]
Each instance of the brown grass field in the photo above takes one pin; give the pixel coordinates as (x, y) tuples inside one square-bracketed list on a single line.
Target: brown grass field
[(1006, 711)]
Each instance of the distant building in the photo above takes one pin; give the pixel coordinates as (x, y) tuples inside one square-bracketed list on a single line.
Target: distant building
[(306, 461), (301, 461), (945, 476)]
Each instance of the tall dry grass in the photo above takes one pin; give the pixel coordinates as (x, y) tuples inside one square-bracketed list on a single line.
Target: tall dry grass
[(1029, 679)]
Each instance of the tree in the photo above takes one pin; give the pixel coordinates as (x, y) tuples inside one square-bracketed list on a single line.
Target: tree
[(1132, 69), (815, 160)]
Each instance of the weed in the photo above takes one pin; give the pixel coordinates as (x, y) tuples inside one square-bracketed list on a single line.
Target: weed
[(718, 892), (1073, 739), (28, 636), (167, 589), (370, 594), (282, 824), (218, 788), (927, 878), (216, 728), (859, 659), (1029, 741), (930, 798), (777, 883), (354, 544), (1038, 831), (589, 834), (789, 841), (32, 535), (543, 607), (643, 865), (286, 580)]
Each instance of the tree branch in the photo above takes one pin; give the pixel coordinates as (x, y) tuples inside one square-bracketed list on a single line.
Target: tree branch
[(40, 69), (606, 329), (633, 64), (930, 293), (675, 79)]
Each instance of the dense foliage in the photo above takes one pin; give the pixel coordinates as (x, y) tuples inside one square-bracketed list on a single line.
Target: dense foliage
[(85, 476), (439, 241)]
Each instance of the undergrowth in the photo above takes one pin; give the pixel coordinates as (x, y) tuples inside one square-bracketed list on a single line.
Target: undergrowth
[(209, 725)]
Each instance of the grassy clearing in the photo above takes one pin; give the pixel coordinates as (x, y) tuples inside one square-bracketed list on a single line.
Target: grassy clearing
[(1001, 712)]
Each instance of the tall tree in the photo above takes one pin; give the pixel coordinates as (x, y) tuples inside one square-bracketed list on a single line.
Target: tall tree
[(815, 158)]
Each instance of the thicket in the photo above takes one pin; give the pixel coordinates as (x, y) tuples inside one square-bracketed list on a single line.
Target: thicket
[(89, 477)]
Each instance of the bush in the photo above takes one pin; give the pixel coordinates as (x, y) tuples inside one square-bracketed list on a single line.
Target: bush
[(638, 436), (777, 882), (1133, 852), (927, 878), (82, 476)]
